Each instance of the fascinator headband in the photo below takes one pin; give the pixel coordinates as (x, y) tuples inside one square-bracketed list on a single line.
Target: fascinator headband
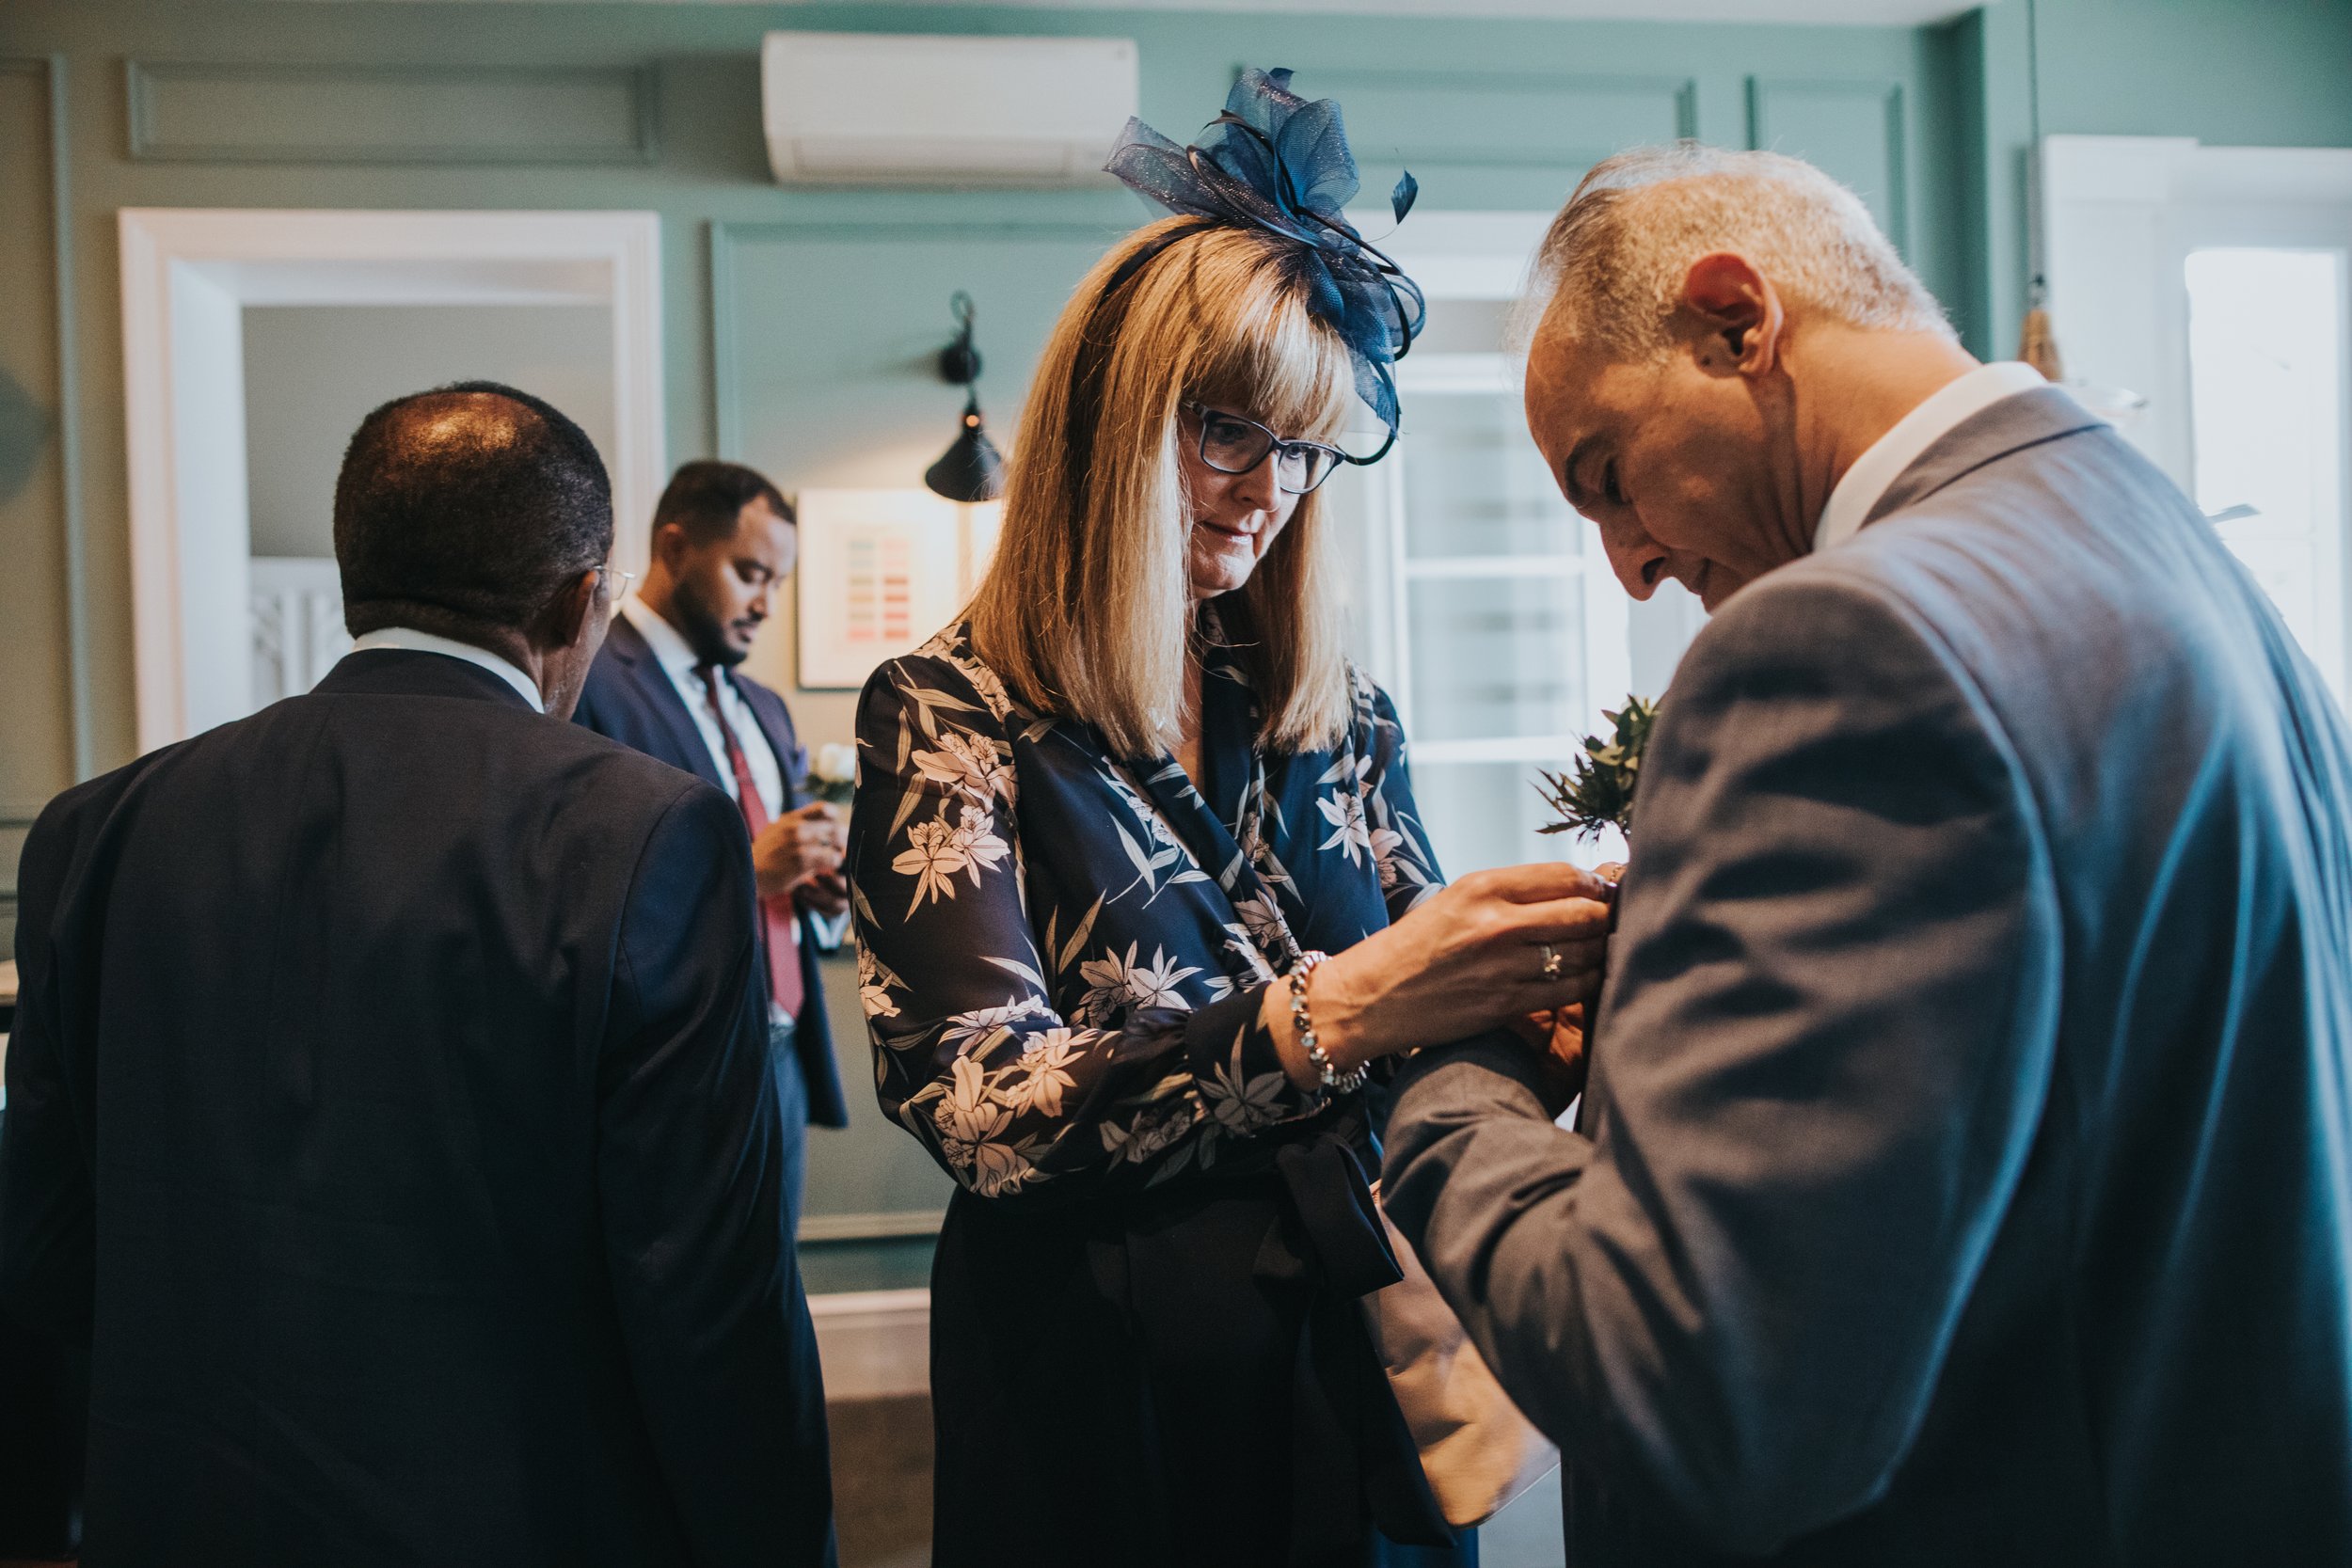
[(1278, 164)]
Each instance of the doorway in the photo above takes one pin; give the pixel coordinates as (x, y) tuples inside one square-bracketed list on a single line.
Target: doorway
[(305, 320), (311, 373)]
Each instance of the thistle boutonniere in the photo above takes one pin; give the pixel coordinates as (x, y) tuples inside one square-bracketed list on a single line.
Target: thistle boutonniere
[(1597, 791)]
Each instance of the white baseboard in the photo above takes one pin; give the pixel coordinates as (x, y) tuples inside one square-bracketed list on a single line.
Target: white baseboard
[(875, 1345)]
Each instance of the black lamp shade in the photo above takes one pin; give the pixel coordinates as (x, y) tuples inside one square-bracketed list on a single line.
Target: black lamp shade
[(971, 468)]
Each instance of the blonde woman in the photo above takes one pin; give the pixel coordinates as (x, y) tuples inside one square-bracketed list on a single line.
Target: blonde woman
[(1107, 827)]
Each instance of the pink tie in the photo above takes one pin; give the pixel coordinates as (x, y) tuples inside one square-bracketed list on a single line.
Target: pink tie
[(775, 915)]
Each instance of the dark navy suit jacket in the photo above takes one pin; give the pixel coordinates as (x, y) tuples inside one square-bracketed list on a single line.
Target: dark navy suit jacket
[(629, 697), (386, 1118), (1969, 1169)]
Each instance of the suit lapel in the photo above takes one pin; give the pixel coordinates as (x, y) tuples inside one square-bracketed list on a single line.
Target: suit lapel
[(775, 722), (653, 682)]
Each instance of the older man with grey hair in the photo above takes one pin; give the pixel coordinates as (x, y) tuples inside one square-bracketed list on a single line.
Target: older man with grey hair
[(1964, 1172)]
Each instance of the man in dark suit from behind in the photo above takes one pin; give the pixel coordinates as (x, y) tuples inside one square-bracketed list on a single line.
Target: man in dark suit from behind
[(666, 684), (384, 1110)]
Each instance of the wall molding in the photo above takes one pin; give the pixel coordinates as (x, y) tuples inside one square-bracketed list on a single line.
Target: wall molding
[(726, 362), (12, 832), (873, 1344), (631, 138), (1683, 92), (52, 69), (1886, 94), (889, 1226)]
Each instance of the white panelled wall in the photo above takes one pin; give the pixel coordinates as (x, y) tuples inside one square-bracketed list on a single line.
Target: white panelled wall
[(2201, 300)]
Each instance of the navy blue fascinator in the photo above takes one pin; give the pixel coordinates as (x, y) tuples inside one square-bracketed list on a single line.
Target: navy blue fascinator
[(1275, 163)]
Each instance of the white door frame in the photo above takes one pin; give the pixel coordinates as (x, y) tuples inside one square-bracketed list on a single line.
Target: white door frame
[(2120, 216), (187, 275)]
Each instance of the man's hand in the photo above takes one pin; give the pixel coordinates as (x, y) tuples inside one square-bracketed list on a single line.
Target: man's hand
[(1560, 1036), (825, 897), (797, 849), (1611, 872)]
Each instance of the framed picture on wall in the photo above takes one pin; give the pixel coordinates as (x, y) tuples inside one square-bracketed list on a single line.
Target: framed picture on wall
[(880, 572)]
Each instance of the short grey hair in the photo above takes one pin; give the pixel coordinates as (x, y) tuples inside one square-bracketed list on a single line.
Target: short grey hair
[(1611, 267)]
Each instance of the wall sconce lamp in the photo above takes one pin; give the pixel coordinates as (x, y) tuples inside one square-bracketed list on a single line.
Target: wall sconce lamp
[(971, 469)]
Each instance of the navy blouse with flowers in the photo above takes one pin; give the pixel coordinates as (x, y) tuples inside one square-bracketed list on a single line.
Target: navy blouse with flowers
[(1060, 952)]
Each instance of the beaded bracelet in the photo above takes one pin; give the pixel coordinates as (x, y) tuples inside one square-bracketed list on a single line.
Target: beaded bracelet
[(1334, 1080)]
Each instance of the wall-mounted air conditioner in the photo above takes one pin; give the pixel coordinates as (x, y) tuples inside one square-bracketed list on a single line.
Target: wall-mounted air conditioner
[(880, 108)]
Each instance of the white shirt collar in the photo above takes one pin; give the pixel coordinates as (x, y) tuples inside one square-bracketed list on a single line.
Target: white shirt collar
[(412, 641), (668, 644), (1884, 462)]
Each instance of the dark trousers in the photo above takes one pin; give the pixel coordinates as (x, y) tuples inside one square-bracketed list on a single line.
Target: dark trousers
[(784, 1060), (44, 1401), (1151, 1385)]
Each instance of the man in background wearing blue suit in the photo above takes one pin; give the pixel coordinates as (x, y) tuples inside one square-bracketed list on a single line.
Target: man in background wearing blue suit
[(666, 685), (1965, 1173)]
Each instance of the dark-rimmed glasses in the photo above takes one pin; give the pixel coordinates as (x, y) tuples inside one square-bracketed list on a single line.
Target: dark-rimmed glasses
[(1232, 445)]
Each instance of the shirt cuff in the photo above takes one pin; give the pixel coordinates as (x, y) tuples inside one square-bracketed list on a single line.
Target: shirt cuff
[(831, 931)]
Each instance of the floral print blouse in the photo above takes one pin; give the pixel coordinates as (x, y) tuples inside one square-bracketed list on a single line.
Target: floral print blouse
[(1060, 952)]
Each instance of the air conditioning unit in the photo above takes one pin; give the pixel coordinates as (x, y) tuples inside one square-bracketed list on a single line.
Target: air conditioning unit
[(920, 109)]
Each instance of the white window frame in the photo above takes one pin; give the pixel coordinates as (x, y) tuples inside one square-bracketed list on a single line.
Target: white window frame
[(1474, 256), (1584, 572)]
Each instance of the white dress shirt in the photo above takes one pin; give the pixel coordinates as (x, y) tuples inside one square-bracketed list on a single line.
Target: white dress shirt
[(412, 641), (677, 660), (1886, 459)]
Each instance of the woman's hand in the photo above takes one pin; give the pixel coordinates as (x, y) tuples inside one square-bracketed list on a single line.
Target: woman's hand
[(1489, 950)]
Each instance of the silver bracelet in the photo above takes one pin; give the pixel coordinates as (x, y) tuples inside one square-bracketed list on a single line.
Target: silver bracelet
[(1334, 1081)]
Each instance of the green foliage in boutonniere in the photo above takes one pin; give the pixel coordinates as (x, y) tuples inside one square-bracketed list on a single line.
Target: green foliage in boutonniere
[(1596, 792)]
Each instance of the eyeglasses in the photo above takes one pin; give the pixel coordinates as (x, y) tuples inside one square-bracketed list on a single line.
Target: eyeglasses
[(1232, 445), (616, 584)]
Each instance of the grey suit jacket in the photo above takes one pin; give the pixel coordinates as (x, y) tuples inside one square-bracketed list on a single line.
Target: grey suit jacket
[(1969, 1176)]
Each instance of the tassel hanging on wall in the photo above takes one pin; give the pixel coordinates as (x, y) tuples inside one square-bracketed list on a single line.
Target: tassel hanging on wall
[(2037, 343)]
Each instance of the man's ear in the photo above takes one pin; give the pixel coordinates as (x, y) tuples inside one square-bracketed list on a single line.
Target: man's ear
[(568, 614), (1737, 314), (670, 547)]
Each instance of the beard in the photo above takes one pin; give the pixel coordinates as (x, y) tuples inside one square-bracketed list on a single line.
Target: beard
[(703, 631)]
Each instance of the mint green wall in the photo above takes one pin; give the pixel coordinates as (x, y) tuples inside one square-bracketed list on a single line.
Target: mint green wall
[(657, 106), (1493, 79), (2230, 73)]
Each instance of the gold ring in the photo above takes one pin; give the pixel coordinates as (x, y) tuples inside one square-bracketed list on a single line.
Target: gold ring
[(1552, 961)]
